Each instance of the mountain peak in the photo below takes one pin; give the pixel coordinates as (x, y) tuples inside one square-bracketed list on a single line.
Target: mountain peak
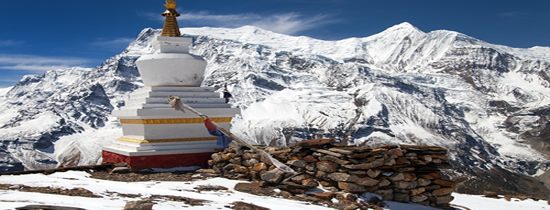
[(403, 26)]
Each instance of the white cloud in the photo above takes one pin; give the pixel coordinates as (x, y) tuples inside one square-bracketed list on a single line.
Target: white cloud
[(10, 43), (122, 41), (38, 63), (287, 23)]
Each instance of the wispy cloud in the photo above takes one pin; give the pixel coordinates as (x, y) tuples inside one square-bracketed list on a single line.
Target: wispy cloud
[(287, 23), (10, 43), (116, 42), (511, 14), (39, 63)]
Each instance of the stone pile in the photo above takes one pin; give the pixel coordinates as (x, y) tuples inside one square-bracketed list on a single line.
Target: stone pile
[(398, 173)]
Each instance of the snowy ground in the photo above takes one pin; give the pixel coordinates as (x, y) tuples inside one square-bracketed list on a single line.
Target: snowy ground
[(112, 195)]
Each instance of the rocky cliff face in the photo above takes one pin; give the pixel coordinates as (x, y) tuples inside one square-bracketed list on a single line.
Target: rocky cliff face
[(484, 102)]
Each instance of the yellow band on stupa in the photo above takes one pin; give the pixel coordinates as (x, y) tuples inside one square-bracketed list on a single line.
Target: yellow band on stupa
[(151, 141)]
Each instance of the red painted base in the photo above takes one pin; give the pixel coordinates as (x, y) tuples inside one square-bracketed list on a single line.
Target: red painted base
[(158, 161)]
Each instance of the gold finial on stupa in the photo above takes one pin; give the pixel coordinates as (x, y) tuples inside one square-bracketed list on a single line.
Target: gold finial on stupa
[(171, 28)]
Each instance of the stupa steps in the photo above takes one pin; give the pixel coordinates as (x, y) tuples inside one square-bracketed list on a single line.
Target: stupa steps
[(180, 94), (175, 89), (167, 106), (163, 100), (132, 151)]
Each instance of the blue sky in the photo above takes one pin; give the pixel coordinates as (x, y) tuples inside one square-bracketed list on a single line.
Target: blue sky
[(37, 35)]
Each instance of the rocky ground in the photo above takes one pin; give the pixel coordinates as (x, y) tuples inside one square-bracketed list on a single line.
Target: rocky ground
[(145, 190)]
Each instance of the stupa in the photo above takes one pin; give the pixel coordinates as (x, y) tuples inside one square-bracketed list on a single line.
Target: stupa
[(155, 135)]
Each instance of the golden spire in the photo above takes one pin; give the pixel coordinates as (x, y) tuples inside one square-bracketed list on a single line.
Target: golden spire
[(171, 27)]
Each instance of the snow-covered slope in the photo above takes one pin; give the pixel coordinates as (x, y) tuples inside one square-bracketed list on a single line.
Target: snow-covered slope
[(115, 195), (489, 104)]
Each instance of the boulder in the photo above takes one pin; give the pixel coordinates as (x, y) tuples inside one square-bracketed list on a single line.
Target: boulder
[(274, 176), (297, 163), (340, 177), (139, 205), (327, 166), (443, 191), (255, 188), (351, 187)]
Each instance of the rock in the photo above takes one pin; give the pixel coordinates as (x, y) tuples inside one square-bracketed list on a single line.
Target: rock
[(297, 163), (443, 191), (359, 172), (255, 188), (324, 195), (310, 167), (139, 205), (386, 194), (240, 169), (431, 176), (419, 198), (334, 159), (216, 157), (402, 161), (327, 185), (340, 177), (236, 161), (207, 171), (384, 183), (210, 188), (259, 167), (274, 176), (320, 174), (248, 156), (444, 200), (299, 178), (444, 183), (285, 194), (405, 185), (47, 207), (322, 152), (365, 181), (351, 187), (397, 152), (373, 173), (250, 162), (238, 205), (315, 143), (327, 166), (428, 158), (490, 194), (310, 183), (227, 156), (389, 162), (310, 159), (418, 191), (423, 182), (409, 177), (401, 197), (374, 164), (397, 177), (346, 197), (341, 151), (432, 187), (121, 170)]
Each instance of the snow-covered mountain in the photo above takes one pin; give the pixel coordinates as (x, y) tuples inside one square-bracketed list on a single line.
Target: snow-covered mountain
[(489, 104)]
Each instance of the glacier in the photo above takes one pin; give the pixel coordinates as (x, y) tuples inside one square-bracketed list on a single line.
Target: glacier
[(489, 104)]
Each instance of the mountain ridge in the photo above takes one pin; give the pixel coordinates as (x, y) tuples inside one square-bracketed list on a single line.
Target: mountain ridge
[(487, 106)]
